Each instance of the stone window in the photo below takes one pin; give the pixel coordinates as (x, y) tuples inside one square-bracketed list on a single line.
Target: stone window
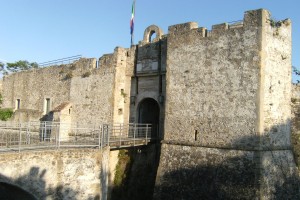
[(47, 105), (196, 135), (18, 104)]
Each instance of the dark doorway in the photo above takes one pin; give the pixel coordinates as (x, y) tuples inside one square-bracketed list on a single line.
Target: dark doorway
[(149, 114), (12, 192)]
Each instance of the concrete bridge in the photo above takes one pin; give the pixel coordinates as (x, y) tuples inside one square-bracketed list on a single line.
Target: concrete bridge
[(43, 160)]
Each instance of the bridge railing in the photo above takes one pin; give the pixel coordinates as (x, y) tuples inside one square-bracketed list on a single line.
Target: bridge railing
[(39, 135)]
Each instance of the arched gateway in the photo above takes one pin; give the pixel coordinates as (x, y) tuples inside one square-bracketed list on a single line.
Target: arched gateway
[(148, 112), (12, 192)]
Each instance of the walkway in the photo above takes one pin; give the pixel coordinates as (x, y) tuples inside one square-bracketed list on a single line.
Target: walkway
[(52, 135)]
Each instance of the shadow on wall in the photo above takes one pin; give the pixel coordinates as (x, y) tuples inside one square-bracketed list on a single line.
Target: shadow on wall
[(32, 186), (212, 173)]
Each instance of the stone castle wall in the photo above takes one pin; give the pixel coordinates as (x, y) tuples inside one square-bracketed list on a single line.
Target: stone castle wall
[(34, 86), (89, 89), (92, 96), (276, 83), (227, 120), (223, 97), (64, 174), (212, 85)]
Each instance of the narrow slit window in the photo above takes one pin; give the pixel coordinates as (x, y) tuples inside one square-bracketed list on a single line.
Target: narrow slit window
[(18, 104), (47, 105), (196, 135)]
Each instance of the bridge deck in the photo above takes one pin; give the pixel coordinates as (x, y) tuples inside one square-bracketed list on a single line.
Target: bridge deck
[(45, 135)]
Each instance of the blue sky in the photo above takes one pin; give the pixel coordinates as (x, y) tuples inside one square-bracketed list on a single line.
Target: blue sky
[(44, 30)]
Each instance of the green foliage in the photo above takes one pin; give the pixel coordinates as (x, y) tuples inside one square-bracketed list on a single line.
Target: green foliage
[(69, 76), (20, 65), (1, 99), (5, 114), (124, 161), (73, 67), (1, 65), (278, 23), (86, 74), (124, 95), (296, 72)]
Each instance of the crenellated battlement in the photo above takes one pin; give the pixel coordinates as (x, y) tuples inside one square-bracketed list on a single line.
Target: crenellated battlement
[(252, 19)]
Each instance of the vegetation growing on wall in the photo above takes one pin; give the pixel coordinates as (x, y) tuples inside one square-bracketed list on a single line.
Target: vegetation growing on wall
[(73, 66), (135, 174), (5, 114), (296, 72), (121, 175), (1, 99), (86, 74), (69, 76)]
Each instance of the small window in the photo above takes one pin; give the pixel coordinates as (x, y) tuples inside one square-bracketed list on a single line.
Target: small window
[(97, 63), (196, 135), (18, 104), (47, 105)]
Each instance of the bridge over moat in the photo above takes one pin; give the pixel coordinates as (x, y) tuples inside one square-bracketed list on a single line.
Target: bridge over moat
[(47, 159), (52, 135)]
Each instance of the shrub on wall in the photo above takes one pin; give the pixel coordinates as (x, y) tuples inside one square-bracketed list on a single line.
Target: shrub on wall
[(69, 76), (1, 99), (86, 74), (6, 113)]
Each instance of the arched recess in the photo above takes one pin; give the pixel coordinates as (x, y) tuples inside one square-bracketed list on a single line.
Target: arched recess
[(148, 113), (150, 31), (12, 192)]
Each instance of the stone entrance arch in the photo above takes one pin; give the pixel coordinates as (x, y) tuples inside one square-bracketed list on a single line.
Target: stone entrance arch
[(148, 112)]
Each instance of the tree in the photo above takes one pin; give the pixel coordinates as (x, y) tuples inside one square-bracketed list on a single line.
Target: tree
[(1, 66), (20, 65), (297, 72)]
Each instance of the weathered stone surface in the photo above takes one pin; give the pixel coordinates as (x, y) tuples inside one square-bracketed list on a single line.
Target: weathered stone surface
[(222, 98), (63, 174), (227, 114), (187, 172)]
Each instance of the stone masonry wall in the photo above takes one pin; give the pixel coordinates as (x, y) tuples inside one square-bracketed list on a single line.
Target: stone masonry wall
[(277, 48), (63, 174), (32, 87), (121, 90), (89, 89), (228, 99), (212, 85), (205, 173), (92, 98), (295, 119)]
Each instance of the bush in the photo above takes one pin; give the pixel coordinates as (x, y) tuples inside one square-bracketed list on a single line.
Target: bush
[(69, 76), (86, 74), (5, 114)]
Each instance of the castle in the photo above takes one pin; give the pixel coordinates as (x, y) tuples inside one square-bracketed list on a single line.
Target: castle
[(219, 101)]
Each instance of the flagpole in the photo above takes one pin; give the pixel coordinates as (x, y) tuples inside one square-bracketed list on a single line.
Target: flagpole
[(132, 23)]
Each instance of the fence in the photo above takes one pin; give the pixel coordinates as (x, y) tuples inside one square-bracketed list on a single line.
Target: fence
[(66, 60), (39, 135)]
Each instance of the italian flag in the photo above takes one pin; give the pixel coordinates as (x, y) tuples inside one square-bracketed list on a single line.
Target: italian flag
[(132, 18)]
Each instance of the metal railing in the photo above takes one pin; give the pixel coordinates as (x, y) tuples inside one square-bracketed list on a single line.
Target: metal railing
[(54, 135), (66, 60)]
